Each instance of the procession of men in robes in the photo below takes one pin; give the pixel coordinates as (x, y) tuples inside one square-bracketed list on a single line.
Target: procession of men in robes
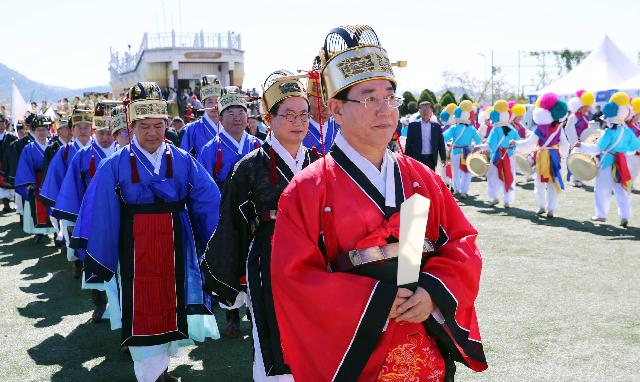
[(303, 230)]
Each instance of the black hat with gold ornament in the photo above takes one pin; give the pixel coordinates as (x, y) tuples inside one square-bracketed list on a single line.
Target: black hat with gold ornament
[(231, 97), (210, 86), (118, 118), (145, 101), (352, 54), (102, 114), (81, 114), (280, 85)]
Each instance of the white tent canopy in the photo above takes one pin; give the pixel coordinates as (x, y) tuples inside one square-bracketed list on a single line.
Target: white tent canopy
[(631, 86), (605, 68)]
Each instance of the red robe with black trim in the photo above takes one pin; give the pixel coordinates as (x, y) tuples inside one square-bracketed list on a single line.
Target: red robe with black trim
[(326, 317)]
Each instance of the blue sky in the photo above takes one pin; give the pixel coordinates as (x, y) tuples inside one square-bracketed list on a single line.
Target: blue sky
[(67, 42)]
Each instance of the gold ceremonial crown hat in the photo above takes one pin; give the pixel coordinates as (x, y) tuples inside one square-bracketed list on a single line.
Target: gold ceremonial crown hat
[(145, 101), (118, 118), (210, 87), (352, 54), (231, 97), (102, 114), (81, 114), (279, 86)]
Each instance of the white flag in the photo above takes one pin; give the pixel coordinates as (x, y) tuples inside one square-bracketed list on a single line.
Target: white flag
[(51, 114), (18, 105)]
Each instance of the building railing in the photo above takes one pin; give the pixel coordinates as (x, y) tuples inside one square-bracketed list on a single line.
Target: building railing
[(200, 40)]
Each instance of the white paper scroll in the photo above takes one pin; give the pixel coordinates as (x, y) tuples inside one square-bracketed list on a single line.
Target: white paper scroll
[(414, 213)]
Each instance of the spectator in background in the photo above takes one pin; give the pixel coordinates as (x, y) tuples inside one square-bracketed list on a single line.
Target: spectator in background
[(188, 114), (425, 142), (253, 129), (196, 102), (597, 116)]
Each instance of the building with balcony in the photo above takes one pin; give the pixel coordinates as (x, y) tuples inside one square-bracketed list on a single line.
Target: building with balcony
[(179, 60)]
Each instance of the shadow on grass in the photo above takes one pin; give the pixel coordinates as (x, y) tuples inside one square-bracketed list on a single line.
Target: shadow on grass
[(228, 359), (57, 293), (613, 232), (90, 352)]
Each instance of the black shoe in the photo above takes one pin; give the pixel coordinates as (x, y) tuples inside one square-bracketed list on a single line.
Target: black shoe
[(76, 269), (167, 377), (7, 208), (232, 330), (39, 238)]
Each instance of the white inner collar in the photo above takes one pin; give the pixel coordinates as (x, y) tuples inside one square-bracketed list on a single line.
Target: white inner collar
[(108, 151), (42, 146), (216, 126), (155, 158), (383, 179), (81, 145), (239, 145), (295, 164)]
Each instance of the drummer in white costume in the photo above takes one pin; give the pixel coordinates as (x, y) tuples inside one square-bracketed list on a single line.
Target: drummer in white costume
[(577, 127), (613, 172), (550, 146), (462, 136)]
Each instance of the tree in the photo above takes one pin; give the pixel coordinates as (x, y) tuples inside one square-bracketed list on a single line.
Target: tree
[(408, 97), (465, 97), (565, 61), (427, 95), (447, 98), (412, 107)]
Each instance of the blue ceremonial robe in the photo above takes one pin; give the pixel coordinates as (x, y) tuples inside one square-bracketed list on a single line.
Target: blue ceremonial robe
[(29, 172), (312, 139), (197, 134), (76, 181), (231, 154), (56, 172), (107, 227)]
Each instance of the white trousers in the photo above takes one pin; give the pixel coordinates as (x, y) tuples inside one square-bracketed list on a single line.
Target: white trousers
[(633, 162), (6, 193), (19, 204), (461, 179), (602, 191), (149, 362), (496, 186), (259, 375), (546, 196)]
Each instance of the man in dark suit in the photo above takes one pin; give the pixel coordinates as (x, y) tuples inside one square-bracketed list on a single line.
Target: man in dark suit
[(424, 138)]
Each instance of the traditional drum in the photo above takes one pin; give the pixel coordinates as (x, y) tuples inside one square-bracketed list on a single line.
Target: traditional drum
[(524, 163), (583, 167), (591, 131), (478, 163)]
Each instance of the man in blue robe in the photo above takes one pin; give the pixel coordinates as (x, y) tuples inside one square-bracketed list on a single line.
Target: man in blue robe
[(199, 132), (138, 217), (73, 187), (29, 178), (314, 139), (222, 153)]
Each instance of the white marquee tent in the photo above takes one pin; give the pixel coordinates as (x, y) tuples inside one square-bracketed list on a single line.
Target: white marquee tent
[(605, 68)]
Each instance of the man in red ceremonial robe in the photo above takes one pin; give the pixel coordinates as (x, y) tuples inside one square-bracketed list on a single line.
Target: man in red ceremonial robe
[(341, 315)]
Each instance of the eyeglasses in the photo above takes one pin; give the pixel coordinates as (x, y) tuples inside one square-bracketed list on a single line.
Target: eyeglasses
[(392, 102), (292, 117)]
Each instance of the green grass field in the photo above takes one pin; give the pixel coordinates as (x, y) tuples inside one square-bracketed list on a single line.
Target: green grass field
[(559, 301)]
